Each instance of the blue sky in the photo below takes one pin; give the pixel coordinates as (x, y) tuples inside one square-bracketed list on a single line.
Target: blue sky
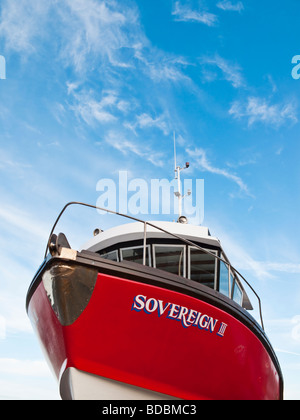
[(93, 87)]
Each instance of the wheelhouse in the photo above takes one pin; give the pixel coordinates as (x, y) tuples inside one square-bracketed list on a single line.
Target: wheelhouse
[(204, 262)]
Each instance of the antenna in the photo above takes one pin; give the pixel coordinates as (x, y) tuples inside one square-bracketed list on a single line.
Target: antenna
[(174, 151), (178, 169)]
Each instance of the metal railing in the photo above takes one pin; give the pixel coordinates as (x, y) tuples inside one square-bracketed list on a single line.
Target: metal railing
[(187, 241)]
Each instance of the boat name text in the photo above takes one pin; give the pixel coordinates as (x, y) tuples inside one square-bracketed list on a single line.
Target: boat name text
[(188, 317)]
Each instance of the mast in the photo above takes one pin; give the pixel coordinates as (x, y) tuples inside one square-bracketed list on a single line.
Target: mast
[(177, 170)]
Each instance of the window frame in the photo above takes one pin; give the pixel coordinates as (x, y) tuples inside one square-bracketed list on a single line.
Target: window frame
[(236, 283), (170, 246), (186, 264), (137, 247), (223, 261), (110, 252), (212, 251)]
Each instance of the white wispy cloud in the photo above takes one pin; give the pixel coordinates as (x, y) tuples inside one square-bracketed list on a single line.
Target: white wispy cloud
[(249, 265), (289, 329), (91, 108), (88, 29), (2, 327), (22, 379), (229, 5), (14, 319), (283, 267), (103, 36), (145, 121), (200, 156), (183, 13), (243, 260), (287, 352), (268, 269), (257, 109), (120, 142), (21, 220), (162, 67), (9, 163), (99, 27), (240, 257), (231, 72), (24, 367), (20, 23)]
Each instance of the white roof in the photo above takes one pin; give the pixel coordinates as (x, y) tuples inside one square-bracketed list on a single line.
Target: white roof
[(134, 231)]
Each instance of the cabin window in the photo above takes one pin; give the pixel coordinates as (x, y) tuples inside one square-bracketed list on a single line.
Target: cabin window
[(135, 254), (202, 267), (113, 255), (224, 279), (170, 258), (237, 294)]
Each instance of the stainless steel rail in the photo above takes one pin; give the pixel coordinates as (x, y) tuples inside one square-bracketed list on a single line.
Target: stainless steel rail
[(187, 241)]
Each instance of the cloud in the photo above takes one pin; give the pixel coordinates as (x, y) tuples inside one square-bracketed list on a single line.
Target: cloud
[(99, 28), (24, 367), (7, 163), (200, 156), (87, 106), (183, 13), (267, 268), (292, 268), (161, 67), (14, 319), (290, 330), (26, 379), (228, 5), (87, 28), (2, 327), (296, 328), (99, 36), (259, 110), (21, 23), (287, 352), (242, 260), (90, 110), (19, 220), (231, 72), (145, 120), (118, 141)]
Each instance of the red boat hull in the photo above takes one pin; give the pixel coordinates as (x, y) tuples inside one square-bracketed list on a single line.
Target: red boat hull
[(157, 339)]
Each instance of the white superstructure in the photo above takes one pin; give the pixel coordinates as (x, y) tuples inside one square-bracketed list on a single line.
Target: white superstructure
[(135, 231)]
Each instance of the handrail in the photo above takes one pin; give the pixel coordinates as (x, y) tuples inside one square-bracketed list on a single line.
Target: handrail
[(144, 246), (187, 241)]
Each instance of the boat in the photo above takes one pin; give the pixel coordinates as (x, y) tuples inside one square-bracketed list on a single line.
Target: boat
[(150, 311)]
